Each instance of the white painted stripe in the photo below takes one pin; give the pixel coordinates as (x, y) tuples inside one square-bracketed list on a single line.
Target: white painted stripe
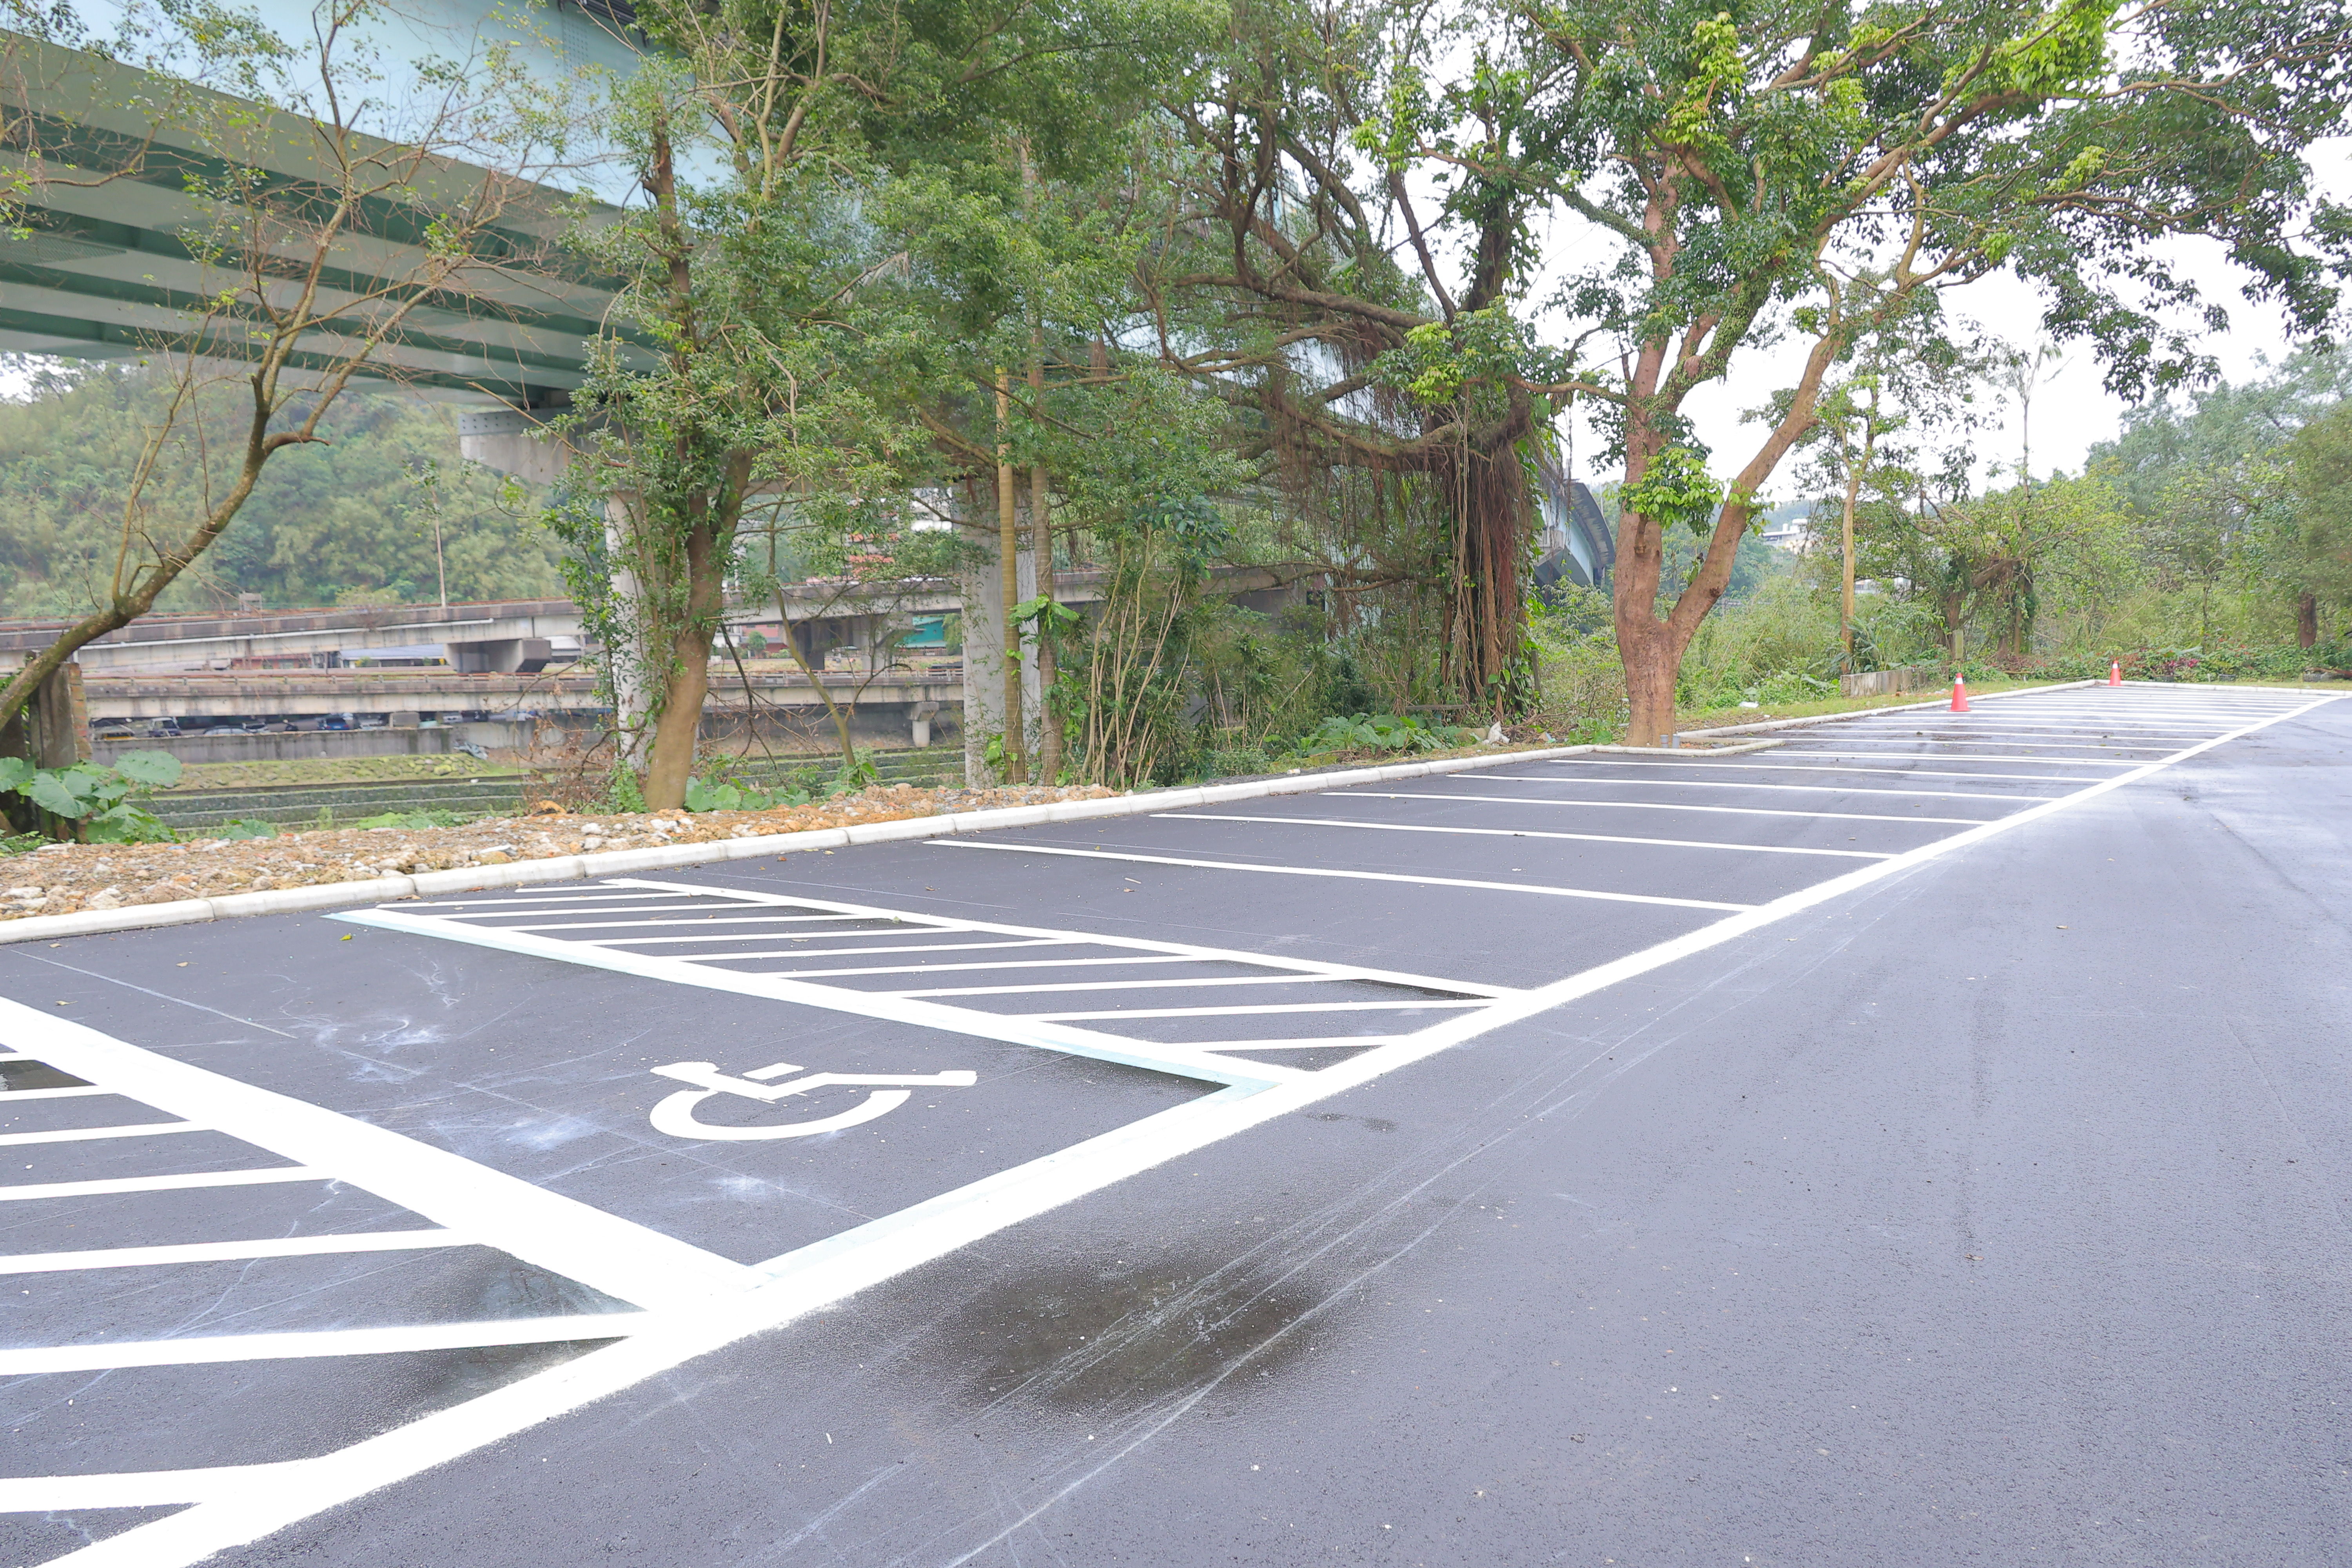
[(13, 1056), (1353, 876), (1809, 789), (2029, 743), (684, 908), (1248, 1012), (142, 1489), (867, 951), (697, 921), (906, 928), (532, 1223), (1525, 832), (177, 1182), (826, 1272), (1306, 1043), (541, 900), (200, 1350), (1009, 963), (1791, 768), (1930, 755), (2053, 731), (2149, 715), (84, 1134), (231, 1251), (1194, 982), (1670, 806), (79, 1091)]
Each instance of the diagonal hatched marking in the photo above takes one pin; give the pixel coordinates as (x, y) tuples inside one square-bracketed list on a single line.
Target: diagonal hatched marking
[(781, 917)]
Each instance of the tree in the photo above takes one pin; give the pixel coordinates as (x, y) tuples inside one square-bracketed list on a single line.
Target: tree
[(1895, 389), (764, 141), (1347, 262), (2211, 481), (2004, 551), (1747, 170), (281, 193), (2316, 552)]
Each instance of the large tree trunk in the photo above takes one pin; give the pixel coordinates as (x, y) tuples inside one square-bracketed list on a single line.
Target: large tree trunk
[(1041, 548), (1492, 513), (1008, 566), (679, 726), (1653, 657), (2306, 619)]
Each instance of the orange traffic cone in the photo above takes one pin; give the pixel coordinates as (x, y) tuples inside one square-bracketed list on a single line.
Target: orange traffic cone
[(2115, 672), (1959, 694)]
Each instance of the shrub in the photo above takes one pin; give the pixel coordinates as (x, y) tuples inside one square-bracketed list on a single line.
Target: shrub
[(102, 804)]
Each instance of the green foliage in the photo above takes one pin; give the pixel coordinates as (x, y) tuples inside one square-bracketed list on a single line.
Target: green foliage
[(100, 802), (248, 828), (1675, 491), (1384, 732)]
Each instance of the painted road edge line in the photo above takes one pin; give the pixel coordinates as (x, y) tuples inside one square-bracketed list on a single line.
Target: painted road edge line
[(299, 1488)]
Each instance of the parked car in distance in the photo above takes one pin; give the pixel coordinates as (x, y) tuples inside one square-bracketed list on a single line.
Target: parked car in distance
[(339, 721)]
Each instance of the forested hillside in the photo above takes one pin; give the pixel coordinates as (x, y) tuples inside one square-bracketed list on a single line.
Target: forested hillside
[(349, 521)]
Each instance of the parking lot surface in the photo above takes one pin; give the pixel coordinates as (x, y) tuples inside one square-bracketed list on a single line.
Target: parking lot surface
[(1924, 1139)]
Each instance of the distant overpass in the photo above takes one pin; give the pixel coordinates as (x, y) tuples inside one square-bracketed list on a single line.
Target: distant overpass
[(493, 637), (507, 636)]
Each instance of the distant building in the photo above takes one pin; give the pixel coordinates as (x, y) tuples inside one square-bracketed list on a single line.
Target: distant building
[(1786, 529)]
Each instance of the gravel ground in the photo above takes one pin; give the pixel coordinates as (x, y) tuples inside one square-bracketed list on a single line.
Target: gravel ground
[(60, 879)]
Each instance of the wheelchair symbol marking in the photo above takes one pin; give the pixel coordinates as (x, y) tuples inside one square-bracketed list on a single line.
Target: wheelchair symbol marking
[(675, 1115)]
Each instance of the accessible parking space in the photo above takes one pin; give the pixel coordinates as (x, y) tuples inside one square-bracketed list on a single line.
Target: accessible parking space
[(294, 1208)]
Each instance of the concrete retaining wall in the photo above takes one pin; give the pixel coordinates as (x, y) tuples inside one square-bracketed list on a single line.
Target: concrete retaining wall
[(411, 740)]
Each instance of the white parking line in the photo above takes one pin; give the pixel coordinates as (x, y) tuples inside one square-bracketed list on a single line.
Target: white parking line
[(177, 1182), (199, 1350), (1666, 806), (1413, 1004), (1791, 768), (85, 1134), (11, 1096), (1717, 783), (1354, 875), (1524, 833), (870, 951), (231, 1251), (1123, 962), (1196, 983), (1924, 745), (2164, 744)]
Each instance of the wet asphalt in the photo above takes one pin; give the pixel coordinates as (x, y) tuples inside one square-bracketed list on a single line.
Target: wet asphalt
[(1994, 1212)]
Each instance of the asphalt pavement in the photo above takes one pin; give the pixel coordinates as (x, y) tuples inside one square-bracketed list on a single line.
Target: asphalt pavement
[(1927, 1140)]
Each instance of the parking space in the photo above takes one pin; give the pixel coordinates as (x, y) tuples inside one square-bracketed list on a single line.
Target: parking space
[(296, 1207)]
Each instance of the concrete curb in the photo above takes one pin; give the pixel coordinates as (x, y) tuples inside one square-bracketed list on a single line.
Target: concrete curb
[(623, 862), (626, 862)]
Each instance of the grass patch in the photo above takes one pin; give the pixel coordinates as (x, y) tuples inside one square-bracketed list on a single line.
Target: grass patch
[(261, 774)]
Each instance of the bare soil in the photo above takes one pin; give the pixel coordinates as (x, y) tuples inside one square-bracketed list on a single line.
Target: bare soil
[(59, 878)]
